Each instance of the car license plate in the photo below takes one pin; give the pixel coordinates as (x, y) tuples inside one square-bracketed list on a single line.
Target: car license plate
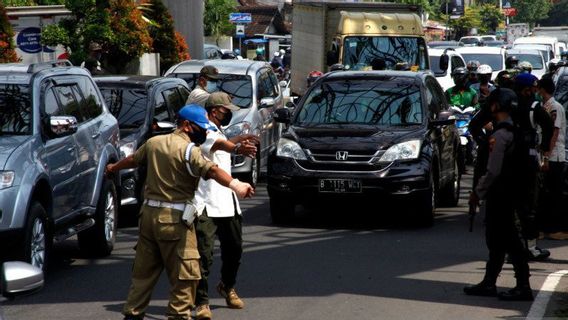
[(340, 185)]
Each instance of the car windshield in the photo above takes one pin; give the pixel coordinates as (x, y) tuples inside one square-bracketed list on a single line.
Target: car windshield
[(239, 87), (493, 60), (127, 105), (382, 102), (535, 60), (469, 40), (15, 109), (359, 52)]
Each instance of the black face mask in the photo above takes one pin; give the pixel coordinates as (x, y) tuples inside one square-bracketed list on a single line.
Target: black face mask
[(198, 136), (226, 119)]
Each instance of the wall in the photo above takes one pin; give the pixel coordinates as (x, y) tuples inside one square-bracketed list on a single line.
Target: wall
[(188, 20)]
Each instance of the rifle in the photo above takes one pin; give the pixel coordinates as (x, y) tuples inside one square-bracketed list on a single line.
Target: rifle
[(472, 211)]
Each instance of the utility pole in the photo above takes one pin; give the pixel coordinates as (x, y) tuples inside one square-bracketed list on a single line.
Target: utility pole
[(188, 20)]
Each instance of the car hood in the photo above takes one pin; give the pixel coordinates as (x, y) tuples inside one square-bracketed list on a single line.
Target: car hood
[(352, 137), (8, 144)]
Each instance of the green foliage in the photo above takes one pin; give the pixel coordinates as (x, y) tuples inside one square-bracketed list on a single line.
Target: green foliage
[(530, 11), (470, 19), (7, 46), (163, 34), (557, 15), (490, 17), (216, 18)]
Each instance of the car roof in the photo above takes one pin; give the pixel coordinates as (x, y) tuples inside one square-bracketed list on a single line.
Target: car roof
[(229, 66), (23, 72), (536, 40), (373, 74), (480, 50), (439, 52), (133, 80), (524, 51)]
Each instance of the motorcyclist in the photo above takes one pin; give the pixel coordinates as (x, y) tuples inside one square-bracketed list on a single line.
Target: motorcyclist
[(511, 62), (472, 66), (484, 87), (461, 95), (312, 77), (525, 67)]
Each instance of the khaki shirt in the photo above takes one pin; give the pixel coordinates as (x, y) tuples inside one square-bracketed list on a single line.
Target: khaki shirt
[(168, 177)]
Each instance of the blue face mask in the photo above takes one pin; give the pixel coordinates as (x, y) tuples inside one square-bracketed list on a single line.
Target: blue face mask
[(211, 86)]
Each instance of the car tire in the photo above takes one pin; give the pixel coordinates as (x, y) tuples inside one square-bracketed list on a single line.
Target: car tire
[(425, 205), (450, 194), (282, 209), (37, 238), (99, 239), (254, 174)]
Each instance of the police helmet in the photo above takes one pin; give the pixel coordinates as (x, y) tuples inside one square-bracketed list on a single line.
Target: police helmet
[(511, 62)]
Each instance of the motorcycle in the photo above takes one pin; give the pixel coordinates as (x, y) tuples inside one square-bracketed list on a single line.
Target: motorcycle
[(468, 148)]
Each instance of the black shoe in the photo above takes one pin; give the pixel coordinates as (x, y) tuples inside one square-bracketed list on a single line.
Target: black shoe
[(517, 294), (538, 254), (132, 317), (481, 289)]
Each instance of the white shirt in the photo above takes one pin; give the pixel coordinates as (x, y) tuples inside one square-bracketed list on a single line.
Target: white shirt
[(198, 96), (556, 111), (219, 201)]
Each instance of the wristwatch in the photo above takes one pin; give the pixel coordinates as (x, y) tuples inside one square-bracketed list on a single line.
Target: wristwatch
[(236, 148)]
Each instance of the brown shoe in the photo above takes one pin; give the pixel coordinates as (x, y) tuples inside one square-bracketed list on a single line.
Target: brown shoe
[(202, 312), (558, 236), (231, 297)]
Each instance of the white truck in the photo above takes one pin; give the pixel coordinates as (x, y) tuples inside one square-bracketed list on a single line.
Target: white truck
[(560, 32), (354, 34), (517, 30)]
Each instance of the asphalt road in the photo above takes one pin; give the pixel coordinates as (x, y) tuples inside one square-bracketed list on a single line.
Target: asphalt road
[(332, 263)]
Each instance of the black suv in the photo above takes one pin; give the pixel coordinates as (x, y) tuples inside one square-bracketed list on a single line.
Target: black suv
[(381, 135), (144, 106)]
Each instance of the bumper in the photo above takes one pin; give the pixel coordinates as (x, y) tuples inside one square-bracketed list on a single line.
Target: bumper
[(129, 187), (398, 181)]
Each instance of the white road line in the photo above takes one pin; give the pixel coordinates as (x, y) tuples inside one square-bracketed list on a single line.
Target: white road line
[(538, 308)]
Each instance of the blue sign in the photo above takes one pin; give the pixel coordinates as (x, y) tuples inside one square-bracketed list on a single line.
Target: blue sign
[(240, 17), (29, 41)]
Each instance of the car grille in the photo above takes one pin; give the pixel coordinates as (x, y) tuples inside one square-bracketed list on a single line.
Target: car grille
[(344, 160)]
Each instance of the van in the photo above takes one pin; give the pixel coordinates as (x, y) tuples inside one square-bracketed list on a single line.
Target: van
[(552, 44)]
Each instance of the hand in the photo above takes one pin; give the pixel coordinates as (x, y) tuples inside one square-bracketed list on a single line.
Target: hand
[(109, 170), (247, 149), (242, 189), (254, 139), (473, 199)]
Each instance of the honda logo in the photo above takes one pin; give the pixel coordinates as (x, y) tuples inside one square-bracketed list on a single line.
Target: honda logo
[(341, 155)]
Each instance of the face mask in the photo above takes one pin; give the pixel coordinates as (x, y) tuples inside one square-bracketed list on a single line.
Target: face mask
[(211, 86), (198, 136), (226, 119)]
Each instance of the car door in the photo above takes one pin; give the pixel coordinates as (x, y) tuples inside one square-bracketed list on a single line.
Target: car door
[(61, 154), (442, 137), (268, 127)]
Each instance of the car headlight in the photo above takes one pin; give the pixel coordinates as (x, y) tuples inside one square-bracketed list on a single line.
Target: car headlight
[(290, 149), (402, 151), (127, 149), (237, 129), (6, 179)]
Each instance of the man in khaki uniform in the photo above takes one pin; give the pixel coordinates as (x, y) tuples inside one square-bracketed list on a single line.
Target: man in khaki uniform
[(166, 233)]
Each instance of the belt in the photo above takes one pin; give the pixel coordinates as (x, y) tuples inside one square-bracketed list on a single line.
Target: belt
[(163, 204)]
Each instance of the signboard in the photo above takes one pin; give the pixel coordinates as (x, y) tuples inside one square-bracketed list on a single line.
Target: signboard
[(240, 33), (507, 5), (29, 40), (240, 17), (510, 12)]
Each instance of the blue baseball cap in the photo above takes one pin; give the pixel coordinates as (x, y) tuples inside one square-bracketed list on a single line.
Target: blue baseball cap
[(196, 114), (526, 80)]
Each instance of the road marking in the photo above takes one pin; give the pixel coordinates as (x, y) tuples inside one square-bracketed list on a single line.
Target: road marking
[(538, 308)]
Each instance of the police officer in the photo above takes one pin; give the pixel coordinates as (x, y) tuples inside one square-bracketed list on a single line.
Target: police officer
[(498, 188), (166, 233)]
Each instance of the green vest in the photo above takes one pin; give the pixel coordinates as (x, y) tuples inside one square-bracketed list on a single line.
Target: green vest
[(462, 98)]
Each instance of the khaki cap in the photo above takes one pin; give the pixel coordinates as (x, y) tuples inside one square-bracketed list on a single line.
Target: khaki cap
[(220, 98), (209, 72)]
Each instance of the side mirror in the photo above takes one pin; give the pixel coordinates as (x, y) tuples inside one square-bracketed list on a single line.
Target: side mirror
[(282, 115), (283, 84), (444, 62), (266, 102), (20, 278), (60, 126), (162, 127), (332, 57)]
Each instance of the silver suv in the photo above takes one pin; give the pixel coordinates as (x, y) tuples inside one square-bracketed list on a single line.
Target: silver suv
[(56, 136), (255, 89)]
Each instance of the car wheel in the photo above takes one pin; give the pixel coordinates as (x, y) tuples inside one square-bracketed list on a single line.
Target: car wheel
[(37, 240), (450, 195), (99, 239), (425, 206), (281, 209), (254, 174)]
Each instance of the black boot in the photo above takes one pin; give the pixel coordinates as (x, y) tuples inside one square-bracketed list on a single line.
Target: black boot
[(484, 289), (518, 293)]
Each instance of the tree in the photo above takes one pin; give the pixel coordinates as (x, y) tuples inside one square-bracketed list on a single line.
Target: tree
[(557, 15), (7, 46), (490, 17), (530, 11), (166, 41), (463, 25), (216, 18)]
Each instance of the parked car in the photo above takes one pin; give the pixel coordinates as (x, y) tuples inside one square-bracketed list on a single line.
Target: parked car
[(57, 137), (444, 76), (469, 41), (211, 51), (255, 89), (144, 107), (488, 37), (534, 57), (443, 44), (494, 57), (380, 135)]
